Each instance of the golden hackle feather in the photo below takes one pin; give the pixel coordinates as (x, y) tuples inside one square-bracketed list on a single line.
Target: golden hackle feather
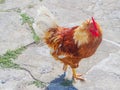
[(81, 34)]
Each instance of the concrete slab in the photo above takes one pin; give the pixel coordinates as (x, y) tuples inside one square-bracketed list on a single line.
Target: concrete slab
[(11, 79), (103, 76), (12, 33)]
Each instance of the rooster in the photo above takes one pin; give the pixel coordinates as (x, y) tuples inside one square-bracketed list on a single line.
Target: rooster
[(69, 45)]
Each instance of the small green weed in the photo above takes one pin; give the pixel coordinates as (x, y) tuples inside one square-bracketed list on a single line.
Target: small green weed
[(18, 10), (39, 83), (26, 19), (40, 0), (2, 1), (6, 60), (29, 20), (30, 6)]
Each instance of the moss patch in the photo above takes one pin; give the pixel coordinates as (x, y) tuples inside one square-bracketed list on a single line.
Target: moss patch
[(6, 60), (26, 19), (2, 1), (39, 83)]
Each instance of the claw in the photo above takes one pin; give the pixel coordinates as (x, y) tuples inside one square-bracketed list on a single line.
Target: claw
[(77, 76)]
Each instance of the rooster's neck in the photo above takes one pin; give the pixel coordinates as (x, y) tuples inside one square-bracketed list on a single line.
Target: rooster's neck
[(80, 36)]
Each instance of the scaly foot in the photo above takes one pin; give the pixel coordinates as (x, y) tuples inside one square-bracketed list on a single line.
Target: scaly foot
[(65, 67), (77, 76)]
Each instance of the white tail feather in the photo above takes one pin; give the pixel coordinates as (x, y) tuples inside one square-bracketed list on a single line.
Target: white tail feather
[(44, 20), (44, 11)]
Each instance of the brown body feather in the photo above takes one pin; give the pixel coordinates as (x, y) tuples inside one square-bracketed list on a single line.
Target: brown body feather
[(63, 43)]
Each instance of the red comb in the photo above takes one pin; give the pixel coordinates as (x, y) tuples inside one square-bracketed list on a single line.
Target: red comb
[(94, 23)]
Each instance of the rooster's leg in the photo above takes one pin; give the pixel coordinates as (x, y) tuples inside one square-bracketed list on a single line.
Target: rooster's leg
[(65, 68), (77, 76)]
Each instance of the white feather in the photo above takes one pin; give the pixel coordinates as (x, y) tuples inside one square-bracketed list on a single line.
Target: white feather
[(44, 20)]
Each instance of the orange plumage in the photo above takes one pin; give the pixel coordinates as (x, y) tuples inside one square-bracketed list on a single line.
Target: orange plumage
[(69, 45)]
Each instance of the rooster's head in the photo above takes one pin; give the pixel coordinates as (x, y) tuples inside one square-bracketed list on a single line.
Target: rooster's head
[(93, 27)]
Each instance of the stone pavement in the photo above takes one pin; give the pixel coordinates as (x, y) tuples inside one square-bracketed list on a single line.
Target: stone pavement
[(102, 70)]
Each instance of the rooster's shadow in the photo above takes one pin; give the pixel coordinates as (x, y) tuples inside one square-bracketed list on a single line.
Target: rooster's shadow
[(60, 83)]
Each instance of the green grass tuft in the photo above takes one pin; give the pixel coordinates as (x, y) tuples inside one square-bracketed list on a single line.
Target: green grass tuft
[(29, 20), (30, 6), (18, 10), (2, 1), (6, 60), (39, 83), (26, 19), (40, 0)]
